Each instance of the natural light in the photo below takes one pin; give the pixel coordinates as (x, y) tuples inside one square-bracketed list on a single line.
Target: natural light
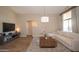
[(67, 22)]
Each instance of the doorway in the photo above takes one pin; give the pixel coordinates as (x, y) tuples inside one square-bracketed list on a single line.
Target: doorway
[(29, 28)]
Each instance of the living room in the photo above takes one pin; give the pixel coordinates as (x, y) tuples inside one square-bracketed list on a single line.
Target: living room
[(27, 24)]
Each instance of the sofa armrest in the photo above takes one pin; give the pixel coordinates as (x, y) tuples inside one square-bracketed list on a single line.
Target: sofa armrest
[(75, 45)]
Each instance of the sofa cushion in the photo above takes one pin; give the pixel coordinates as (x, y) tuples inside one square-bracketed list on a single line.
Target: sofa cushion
[(69, 35), (67, 40)]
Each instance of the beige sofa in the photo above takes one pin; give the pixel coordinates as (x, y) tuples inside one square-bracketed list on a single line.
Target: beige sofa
[(70, 40)]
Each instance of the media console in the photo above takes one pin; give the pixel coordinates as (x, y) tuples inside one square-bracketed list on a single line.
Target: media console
[(9, 37)]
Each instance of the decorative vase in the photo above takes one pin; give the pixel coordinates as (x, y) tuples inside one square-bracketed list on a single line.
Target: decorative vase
[(45, 36)]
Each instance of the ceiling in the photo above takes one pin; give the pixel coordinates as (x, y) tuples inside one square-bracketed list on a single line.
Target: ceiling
[(39, 9)]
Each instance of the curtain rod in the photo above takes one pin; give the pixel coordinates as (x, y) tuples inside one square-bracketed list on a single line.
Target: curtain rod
[(68, 10)]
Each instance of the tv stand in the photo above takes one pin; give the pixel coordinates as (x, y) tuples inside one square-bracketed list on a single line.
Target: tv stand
[(7, 38)]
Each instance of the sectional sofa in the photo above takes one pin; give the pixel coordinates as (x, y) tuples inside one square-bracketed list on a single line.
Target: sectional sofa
[(70, 40)]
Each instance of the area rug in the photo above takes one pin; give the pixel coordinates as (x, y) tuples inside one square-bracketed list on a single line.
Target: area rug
[(17, 45), (34, 47)]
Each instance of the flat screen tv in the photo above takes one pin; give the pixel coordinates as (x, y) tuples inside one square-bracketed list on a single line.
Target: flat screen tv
[(8, 27)]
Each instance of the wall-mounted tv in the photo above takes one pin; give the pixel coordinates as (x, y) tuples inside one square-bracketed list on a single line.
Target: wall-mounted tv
[(8, 27)]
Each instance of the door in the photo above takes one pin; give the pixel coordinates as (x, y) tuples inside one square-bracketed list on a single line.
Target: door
[(29, 28)]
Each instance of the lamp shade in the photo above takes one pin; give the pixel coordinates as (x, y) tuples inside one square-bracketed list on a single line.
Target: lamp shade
[(18, 29)]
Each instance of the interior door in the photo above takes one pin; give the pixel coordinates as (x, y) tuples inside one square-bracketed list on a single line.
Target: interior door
[(29, 23)]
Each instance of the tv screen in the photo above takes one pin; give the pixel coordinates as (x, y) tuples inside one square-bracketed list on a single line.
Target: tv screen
[(8, 27)]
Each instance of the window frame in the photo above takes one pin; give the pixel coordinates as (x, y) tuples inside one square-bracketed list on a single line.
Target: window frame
[(67, 19)]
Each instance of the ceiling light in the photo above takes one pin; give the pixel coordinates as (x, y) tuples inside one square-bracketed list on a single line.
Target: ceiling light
[(44, 18)]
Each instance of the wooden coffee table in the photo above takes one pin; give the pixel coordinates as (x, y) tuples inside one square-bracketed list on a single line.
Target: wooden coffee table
[(47, 43)]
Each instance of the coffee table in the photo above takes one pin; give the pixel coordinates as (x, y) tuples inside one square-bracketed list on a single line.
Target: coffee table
[(48, 42)]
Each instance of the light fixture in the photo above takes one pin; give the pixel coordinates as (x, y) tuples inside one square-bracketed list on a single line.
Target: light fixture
[(44, 18), (17, 30)]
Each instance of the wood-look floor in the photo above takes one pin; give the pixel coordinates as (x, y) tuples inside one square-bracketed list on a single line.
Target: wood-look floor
[(17, 45)]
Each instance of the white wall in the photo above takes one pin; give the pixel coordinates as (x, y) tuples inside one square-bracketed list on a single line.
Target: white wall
[(52, 26), (6, 15)]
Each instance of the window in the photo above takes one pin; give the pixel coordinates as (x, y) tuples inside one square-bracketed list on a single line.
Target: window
[(45, 19), (67, 22)]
